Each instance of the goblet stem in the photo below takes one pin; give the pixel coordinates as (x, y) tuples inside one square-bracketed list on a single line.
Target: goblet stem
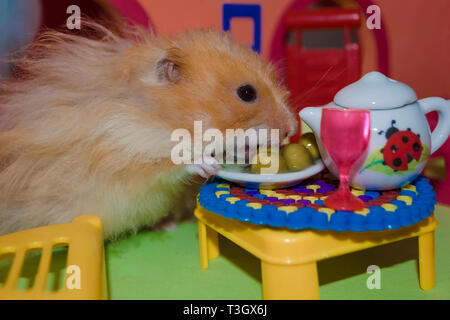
[(343, 199), (344, 184)]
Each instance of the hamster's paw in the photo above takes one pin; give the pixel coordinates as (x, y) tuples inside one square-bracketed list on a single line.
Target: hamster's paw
[(208, 168)]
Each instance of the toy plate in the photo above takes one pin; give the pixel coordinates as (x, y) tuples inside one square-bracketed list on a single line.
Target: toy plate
[(271, 181)]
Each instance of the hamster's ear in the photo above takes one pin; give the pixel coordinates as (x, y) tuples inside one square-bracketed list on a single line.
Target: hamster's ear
[(168, 68)]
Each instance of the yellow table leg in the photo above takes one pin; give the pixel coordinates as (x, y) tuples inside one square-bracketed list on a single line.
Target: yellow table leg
[(427, 273), (290, 282), (203, 245), (212, 238), (208, 243)]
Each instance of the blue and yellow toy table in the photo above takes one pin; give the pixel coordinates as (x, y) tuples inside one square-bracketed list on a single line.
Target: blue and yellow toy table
[(290, 237)]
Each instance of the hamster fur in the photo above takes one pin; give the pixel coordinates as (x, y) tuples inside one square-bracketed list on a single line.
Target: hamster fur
[(85, 125)]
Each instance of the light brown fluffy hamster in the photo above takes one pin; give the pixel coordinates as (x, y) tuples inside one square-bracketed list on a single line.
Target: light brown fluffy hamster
[(85, 126)]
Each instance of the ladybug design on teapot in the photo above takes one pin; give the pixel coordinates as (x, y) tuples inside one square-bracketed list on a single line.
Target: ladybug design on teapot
[(401, 148)]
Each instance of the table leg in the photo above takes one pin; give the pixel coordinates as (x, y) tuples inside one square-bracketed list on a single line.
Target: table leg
[(290, 282), (208, 244), (212, 238), (427, 273)]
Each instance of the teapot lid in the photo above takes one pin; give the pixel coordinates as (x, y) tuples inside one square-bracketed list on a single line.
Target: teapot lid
[(375, 91)]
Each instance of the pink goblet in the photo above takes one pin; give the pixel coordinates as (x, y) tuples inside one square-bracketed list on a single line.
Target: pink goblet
[(345, 135)]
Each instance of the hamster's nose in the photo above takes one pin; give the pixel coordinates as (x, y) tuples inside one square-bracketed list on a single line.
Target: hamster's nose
[(289, 129), (283, 135), (288, 123), (293, 127)]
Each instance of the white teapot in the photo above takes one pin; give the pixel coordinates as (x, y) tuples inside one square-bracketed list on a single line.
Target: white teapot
[(400, 138)]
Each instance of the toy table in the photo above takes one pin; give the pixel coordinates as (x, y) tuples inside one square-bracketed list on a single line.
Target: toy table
[(289, 257)]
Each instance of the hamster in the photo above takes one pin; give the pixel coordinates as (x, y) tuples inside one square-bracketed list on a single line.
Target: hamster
[(85, 124)]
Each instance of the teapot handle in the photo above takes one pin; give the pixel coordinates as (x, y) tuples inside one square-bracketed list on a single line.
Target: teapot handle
[(442, 130)]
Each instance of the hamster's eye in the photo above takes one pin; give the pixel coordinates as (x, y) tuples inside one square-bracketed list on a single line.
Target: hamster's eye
[(247, 93)]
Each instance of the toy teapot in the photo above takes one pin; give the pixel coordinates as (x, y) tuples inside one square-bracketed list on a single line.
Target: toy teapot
[(400, 138)]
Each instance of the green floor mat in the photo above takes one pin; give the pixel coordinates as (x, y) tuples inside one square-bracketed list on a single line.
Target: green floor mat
[(166, 265)]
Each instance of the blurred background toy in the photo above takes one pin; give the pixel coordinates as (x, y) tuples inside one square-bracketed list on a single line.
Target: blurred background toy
[(19, 20)]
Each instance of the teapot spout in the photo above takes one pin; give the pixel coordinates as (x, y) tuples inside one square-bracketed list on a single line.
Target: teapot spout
[(312, 116)]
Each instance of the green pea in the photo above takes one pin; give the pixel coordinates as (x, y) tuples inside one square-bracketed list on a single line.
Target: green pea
[(308, 140), (269, 168), (297, 157)]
